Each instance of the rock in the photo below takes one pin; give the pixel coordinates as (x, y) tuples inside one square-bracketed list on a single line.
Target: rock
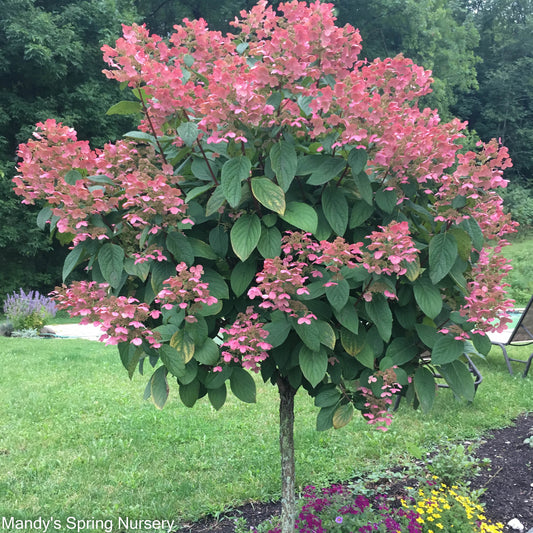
[(516, 524)]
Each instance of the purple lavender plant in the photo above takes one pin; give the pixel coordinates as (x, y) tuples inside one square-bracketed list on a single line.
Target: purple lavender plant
[(30, 310)]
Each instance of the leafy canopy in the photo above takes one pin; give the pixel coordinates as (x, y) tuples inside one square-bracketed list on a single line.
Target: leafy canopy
[(284, 208)]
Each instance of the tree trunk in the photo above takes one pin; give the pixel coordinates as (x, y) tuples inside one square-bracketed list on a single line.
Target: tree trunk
[(286, 447)]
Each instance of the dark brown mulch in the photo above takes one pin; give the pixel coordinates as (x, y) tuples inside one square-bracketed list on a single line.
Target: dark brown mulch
[(509, 479), (508, 482)]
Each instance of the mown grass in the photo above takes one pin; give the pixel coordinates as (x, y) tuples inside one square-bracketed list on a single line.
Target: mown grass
[(76, 438), (521, 277)]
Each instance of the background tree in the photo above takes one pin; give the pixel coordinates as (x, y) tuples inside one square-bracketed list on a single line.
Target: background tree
[(436, 34), (283, 208), (503, 105), (50, 66)]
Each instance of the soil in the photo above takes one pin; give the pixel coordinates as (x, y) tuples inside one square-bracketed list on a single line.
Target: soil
[(508, 484)]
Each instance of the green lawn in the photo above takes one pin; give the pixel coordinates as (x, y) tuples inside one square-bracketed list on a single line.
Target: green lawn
[(77, 439)]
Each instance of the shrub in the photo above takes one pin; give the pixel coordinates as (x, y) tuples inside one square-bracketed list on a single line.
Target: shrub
[(29, 311), (6, 329)]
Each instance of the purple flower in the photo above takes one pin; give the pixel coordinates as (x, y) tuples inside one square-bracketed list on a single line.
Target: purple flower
[(338, 519)]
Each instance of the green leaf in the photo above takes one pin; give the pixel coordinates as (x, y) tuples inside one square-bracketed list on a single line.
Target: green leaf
[(161, 271), (380, 314), (361, 212), (335, 208), (324, 419), (278, 331), (111, 261), (73, 259), (269, 194), (129, 355), (425, 387), (245, 235), (159, 387), (269, 245), (214, 380), (219, 240), (327, 170), (201, 249), (351, 342), (303, 104), (338, 294), (44, 216), (446, 350), (217, 397), (197, 331), (357, 159), (183, 344), (215, 202), (242, 276), (189, 393), (327, 397), (348, 317), (188, 60), (459, 378), (101, 178), (188, 132), (343, 415), (314, 364), (140, 136), (72, 176), (234, 171), (471, 226), (197, 191), (217, 284), (242, 385), (427, 334), (301, 216), (401, 351), (126, 107), (464, 243), (362, 182), (386, 200), (327, 335), (200, 169), (208, 353), (309, 334), (172, 360), (179, 246), (356, 346), (442, 255), (428, 297), (284, 162), (481, 342)]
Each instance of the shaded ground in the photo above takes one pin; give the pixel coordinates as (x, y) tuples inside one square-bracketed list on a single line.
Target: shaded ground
[(508, 482)]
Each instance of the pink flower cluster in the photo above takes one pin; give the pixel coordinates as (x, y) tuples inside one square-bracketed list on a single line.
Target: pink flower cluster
[(476, 178), (120, 178), (486, 303), (186, 290), (378, 408), (121, 318), (390, 247), (284, 279), (245, 341)]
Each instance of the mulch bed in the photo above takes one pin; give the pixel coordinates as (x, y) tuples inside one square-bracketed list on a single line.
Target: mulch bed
[(508, 482)]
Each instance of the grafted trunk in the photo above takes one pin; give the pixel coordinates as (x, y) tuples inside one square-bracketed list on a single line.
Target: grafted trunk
[(286, 446)]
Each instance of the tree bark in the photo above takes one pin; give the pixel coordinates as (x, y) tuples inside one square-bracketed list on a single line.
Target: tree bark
[(286, 447)]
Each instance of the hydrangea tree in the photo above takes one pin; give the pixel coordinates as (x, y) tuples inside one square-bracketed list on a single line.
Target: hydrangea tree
[(284, 208)]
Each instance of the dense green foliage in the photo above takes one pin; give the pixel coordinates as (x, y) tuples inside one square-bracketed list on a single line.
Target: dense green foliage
[(503, 105), (50, 66)]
